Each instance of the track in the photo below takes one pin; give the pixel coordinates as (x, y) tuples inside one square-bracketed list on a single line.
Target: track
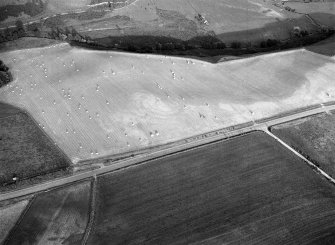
[(317, 169), (175, 150)]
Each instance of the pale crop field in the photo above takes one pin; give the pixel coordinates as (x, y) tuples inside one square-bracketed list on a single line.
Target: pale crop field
[(64, 6), (97, 103)]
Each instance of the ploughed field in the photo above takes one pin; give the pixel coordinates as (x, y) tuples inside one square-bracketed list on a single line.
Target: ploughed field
[(245, 190), (25, 151), (248, 190), (98, 103), (312, 136), (55, 217), (325, 47)]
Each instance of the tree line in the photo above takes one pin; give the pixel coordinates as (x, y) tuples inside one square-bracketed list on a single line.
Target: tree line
[(54, 31), (5, 75)]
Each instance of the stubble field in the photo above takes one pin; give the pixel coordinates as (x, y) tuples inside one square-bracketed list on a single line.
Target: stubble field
[(98, 103)]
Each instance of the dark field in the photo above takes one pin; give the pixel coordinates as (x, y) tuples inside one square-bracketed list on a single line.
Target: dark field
[(325, 47), (248, 190), (55, 217), (27, 42), (24, 149), (30, 8), (9, 214), (314, 137), (7, 110)]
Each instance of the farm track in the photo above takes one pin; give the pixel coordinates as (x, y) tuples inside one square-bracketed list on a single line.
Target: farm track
[(92, 210), (311, 164), (24, 212), (172, 151)]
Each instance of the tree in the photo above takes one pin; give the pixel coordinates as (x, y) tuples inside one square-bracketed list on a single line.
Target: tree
[(88, 39), (159, 46), (271, 42), (67, 31), (2, 38), (131, 47), (5, 75), (19, 24), (221, 45), (20, 28), (304, 33), (8, 34), (236, 45), (168, 46), (74, 32)]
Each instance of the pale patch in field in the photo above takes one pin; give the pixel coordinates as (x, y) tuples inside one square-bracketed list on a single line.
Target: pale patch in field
[(267, 11), (150, 104), (59, 6)]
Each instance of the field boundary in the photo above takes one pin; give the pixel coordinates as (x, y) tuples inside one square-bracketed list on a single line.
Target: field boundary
[(51, 141), (302, 157), (91, 215), (143, 161), (111, 159), (19, 220)]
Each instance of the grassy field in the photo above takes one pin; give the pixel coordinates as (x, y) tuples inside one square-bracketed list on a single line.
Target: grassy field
[(7, 110), (55, 217), (25, 150), (26, 9), (96, 103), (326, 47), (314, 137), (323, 12), (9, 214), (247, 190), (27, 43)]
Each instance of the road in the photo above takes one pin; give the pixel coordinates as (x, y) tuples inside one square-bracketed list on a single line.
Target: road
[(141, 159)]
